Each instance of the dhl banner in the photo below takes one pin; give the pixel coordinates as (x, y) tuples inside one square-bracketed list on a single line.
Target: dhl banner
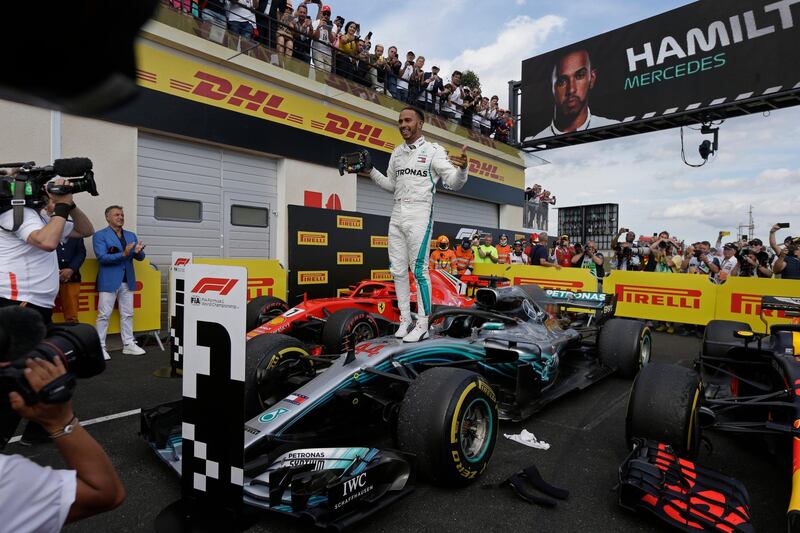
[(566, 279), (682, 298), (265, 277), (146, 298), (740, 299), (186, 78)]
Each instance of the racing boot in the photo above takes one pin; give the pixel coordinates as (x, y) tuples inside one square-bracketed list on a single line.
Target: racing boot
[(419, 332), (404, 327)]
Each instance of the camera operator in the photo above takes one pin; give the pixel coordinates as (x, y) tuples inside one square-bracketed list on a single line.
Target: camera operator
[(788, 262), (698, 260), (591, 259), (41, 499), (626, 256), (753, 263), (29, 275)]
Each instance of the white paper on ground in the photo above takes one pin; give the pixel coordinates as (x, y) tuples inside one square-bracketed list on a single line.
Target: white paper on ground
[(528, 439)]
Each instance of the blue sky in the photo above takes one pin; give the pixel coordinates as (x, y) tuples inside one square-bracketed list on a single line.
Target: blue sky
[(758, 162)]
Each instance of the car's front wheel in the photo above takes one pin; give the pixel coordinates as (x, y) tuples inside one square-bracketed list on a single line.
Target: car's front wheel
[(663, 406), (275, 366), (448, 419), (262, 309)]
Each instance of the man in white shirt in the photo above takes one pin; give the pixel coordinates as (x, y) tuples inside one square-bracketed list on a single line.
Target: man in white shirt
[(29, 272), (241, 17), (518, 256), (572, 82), (727, 264), (414, 168)]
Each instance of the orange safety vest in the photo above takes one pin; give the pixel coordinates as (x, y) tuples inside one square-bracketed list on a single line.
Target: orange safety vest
[(503, 254), (465, 259), (443, 260)]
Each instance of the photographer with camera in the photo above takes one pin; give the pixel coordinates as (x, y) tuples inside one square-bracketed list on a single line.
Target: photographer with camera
[(591, 259), (753, 263), (29, 273), (788, 262), (32, 386), (626, 255), (697, 259)]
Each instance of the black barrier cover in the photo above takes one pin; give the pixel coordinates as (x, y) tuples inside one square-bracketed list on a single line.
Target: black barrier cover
[(331, 250), (707, 54)]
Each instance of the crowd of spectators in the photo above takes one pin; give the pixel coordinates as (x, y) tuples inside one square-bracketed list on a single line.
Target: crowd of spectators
[(310, 33), (659, 253)]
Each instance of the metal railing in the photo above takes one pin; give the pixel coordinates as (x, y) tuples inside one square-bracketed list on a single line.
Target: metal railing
[(268, 39)]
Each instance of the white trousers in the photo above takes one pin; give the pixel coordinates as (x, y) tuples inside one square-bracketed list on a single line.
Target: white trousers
[(105, 306)]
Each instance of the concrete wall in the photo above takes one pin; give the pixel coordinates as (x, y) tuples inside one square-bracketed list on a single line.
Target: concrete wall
[(295, 180), (112, 149), (511, 217)]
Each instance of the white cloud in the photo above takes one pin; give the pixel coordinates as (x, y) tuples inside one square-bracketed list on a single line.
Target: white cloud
[(500, 61)]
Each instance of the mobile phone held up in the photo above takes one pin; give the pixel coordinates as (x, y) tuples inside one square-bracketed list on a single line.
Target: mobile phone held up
[(782, 225)]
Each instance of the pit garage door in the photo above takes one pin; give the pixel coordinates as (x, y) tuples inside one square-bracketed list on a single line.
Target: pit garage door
[(202, 199), (449, 208)]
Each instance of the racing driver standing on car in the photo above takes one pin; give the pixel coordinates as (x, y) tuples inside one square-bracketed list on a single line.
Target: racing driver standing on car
[(414, 168)]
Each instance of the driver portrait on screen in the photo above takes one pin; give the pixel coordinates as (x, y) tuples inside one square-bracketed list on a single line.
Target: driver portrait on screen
[(572, 80)]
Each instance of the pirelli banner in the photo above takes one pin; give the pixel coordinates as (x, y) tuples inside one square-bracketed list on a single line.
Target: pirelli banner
[(719, 55), (331, 250), (146, 298), (693, 299), (566, 279)]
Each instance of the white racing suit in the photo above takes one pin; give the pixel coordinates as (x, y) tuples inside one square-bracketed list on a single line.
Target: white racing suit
[(412, 175)]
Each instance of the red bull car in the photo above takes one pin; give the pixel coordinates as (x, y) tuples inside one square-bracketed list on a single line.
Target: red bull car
[(368, 311), (745, 383)]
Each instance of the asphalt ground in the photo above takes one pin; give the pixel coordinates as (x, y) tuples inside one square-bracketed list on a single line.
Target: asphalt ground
[(585, 431)]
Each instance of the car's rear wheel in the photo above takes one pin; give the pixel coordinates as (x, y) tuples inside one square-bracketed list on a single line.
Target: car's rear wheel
[(625, 345), (343, 323), (276, 365), (663, 406), (262, 309), (448, 419)]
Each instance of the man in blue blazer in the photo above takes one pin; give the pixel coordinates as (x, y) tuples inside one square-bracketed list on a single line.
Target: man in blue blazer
[(115, 249)]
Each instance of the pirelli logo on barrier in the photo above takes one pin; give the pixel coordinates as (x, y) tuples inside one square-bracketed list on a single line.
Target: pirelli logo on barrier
[(379, 241), (380, 275), (750, 304), (312, 277), (659, 296), (345, 222), (349, 258), (561, 284), (312, 238)]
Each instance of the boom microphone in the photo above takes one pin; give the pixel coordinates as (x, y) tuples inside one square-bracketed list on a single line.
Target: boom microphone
[(72, 167)]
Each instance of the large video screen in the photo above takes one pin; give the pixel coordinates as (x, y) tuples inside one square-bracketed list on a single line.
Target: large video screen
[(705, 54)]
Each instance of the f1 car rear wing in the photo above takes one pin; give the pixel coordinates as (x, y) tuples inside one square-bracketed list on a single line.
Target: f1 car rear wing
[(603, 304)]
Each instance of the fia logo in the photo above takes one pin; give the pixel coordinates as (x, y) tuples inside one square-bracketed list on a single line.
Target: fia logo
[(195, 300)]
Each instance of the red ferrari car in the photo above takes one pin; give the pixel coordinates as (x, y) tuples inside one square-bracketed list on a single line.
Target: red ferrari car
[(368, 311)]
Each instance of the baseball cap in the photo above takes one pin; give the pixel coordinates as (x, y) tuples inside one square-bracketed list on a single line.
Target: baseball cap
[(326, 8), (534, 237), (435, 68), (565, 237), (756, 242)]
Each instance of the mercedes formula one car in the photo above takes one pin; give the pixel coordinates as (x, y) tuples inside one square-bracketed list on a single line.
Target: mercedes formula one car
[(743, 382), (439, 401), (368, 311)]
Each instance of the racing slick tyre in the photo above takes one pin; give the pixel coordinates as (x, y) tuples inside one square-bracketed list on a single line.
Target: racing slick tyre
[(663, 406), (263, 309), (625, 345), (448, 419), (719, 337), (343, 323), (273, 364)]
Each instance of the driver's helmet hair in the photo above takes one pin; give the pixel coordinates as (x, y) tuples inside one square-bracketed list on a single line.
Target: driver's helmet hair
[(442, 242)]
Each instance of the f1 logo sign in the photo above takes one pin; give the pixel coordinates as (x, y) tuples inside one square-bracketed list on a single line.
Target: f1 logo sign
[(181, 261), (221, 285)]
